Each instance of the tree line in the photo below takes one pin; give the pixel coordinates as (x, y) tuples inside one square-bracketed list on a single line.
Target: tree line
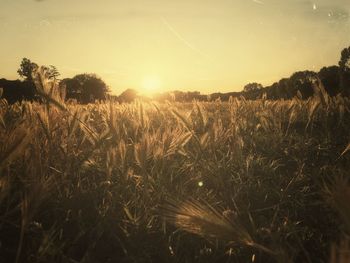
[(87, 88), (84, 88), (334, 79)]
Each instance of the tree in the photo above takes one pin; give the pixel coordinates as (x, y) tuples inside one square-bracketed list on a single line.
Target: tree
[(344, 73), (26, 69), (72, 87), (85, 88), (128, 95), (15, 90), (301, 81), (52, 72), (344, 62), (252, 87), (330, 78)]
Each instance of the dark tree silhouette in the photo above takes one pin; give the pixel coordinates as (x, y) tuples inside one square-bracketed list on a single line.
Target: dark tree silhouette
[(85, 88), (344, 73), (52, 72), (330, 77), (15, 90), (273, 92), (344, 62), (26, 68), (72, 86), (252, 87), (301, 81), (287, 88)]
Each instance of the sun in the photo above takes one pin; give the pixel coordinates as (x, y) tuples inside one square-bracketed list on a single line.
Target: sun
[(150, 85)]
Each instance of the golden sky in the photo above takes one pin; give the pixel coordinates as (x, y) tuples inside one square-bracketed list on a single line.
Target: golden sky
[(204, 45)]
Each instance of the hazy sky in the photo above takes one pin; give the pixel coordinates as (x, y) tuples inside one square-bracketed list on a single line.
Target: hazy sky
[(205, 45)]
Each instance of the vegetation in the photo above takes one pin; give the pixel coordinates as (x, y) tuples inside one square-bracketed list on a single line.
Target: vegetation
[(85, 88), (128, 95), (335, 79), (27, 67), (236, 181), (252, 87)]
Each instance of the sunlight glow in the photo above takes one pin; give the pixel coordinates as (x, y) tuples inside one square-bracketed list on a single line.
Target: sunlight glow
[(192, 45), (150, 85)]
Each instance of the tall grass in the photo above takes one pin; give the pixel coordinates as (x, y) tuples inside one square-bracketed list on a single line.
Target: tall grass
[(233, 181)]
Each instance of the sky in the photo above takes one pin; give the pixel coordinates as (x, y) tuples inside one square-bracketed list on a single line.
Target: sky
[(162, 45)]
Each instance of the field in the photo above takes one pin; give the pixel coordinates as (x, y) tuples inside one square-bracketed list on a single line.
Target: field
[(237, 181)]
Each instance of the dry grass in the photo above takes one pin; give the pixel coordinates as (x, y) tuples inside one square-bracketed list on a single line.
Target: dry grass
[(97, 182)]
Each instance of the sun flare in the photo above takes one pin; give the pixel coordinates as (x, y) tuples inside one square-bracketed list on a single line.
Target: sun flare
[(150, 85)]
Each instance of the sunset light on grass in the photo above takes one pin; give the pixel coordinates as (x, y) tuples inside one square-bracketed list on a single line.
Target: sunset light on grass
[(170, 131)]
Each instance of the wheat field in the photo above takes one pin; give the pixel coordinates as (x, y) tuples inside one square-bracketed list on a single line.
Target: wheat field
[(237, 181)]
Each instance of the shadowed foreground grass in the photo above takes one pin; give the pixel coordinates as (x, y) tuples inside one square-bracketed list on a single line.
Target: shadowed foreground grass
[(240, 181)]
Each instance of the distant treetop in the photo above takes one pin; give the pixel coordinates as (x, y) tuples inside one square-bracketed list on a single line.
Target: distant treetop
[(26, 68)]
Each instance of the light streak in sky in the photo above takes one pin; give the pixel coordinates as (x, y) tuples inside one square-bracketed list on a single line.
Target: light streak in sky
[(181, 38)]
